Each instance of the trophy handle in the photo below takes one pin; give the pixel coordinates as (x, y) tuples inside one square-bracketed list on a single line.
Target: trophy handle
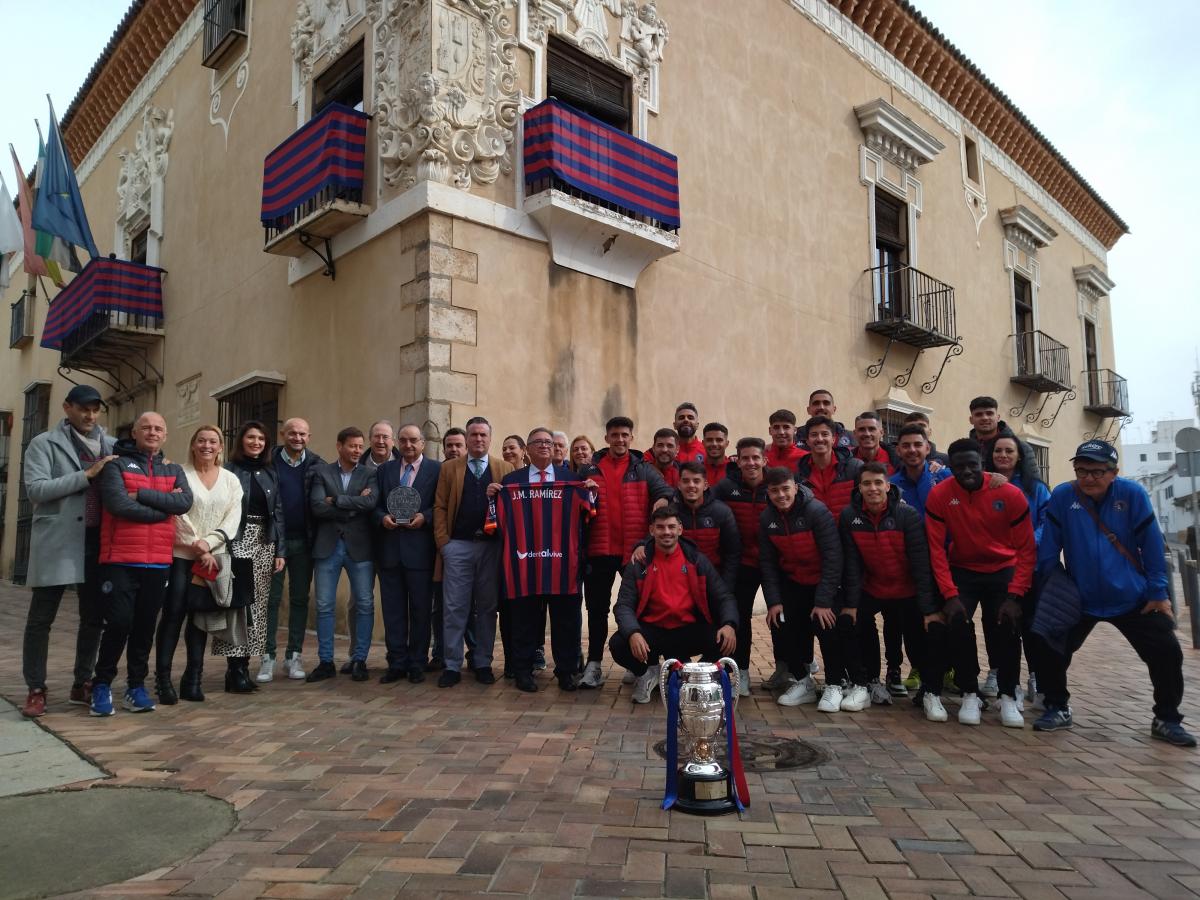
[(664, 675), (735, 676)]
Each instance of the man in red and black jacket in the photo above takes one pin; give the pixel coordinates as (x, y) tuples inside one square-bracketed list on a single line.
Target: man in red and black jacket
[(783, 450), (141, 495), (886, 571), (716, 448), (801, 559), (982, 551), (868, 443), (829, 470), (687, 420), (627, 487), (672, 605), (745, 493), (665, 455), (820, 403)]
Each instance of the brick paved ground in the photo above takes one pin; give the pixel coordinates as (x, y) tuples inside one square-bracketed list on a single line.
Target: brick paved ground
[(367, 790)]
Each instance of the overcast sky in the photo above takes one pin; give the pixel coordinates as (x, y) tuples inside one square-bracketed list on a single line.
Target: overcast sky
[(1113, 85)]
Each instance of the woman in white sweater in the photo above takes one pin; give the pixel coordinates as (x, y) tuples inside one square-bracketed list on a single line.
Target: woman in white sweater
[(201, 536)]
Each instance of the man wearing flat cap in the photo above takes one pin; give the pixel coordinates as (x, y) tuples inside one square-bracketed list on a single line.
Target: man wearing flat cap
[(60, 467), (1105, 528)]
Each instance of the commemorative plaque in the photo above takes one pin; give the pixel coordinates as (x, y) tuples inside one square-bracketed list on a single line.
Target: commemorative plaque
[(403, 503)]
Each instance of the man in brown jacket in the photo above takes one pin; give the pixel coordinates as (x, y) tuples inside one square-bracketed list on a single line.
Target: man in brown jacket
[(470, 553)]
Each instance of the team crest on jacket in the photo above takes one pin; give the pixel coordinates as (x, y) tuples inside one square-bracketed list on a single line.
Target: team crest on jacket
[(707, 522), (998, 505), (889, 523), (1119, 506)]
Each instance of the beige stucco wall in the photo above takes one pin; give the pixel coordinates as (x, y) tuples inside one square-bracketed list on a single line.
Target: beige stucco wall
[(763, 302)]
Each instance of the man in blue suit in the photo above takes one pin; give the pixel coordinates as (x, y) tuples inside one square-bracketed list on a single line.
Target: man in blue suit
[(406, 554), (529, 613)]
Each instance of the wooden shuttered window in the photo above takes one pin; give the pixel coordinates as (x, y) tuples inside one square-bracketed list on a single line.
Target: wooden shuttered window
[(587, 84)]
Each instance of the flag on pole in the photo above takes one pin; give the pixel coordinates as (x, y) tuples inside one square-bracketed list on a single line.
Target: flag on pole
[(11, 237), (34, 264), (58, 208), (58, 254)]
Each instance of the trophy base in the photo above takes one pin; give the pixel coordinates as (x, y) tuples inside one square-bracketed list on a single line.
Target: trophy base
[(705, 794)]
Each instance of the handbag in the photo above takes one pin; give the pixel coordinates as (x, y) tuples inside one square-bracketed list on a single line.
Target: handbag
[(200, 597)]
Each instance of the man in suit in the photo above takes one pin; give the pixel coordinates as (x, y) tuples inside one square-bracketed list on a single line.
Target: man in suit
[(470, 553), (342, 498), (61, 466), (405, 557), (528, 614)]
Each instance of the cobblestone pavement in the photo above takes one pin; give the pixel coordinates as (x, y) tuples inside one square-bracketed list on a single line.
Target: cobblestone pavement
[(369, 790)]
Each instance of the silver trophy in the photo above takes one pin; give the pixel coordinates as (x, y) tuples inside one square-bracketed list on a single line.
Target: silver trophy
[(403, 503), (704, 783)]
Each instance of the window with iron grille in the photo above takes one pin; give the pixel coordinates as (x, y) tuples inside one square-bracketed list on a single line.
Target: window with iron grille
[(589, 85), (35, 420), (224, 25), (890, 423), (258, 401), (1042, 456)]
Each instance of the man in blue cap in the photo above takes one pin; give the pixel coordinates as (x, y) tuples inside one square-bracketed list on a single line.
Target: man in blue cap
[(1107, 533)]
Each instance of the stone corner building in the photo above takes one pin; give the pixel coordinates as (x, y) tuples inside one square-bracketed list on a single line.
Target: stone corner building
[(724, 202)]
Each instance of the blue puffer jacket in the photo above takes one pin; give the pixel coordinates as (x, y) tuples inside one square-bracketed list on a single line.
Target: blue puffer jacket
[(915, 493), (1038, 501), (1109, 585), (1058, 607)]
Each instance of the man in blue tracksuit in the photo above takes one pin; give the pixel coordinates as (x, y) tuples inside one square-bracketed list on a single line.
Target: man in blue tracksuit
[(1106, 530), (915, 477)]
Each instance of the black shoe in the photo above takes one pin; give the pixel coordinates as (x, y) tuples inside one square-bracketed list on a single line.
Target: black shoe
[(415, 676), (391, 675), (526, 683), (321, 672), (434, 664), (189, 686), (508, 673), (358, 670), (539, 659), (1172, 733), (449, 678), (567, 683), (165, 690), (484, 675), (237, 680), (347, 667)]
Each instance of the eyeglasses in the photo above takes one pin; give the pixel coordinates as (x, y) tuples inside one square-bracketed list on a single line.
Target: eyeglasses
[(1094, 474), (540, 442)]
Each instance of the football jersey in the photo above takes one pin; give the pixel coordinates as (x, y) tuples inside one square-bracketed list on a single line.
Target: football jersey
[(542, 529)]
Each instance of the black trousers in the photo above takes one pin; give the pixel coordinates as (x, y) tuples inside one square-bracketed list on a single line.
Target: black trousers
[(528, 617), (745, 587), (953, 646), (901, 617), (895, 638), (43, 608), (1152, 636), (174, 615), (839, 643), (131, 597), (682, 643), (602, 571), (406, 601)]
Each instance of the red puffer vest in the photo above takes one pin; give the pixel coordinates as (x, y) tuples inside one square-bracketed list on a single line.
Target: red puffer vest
[(834, 485), (621, 522), (799, 556), (887, 574), (123, 541), (747, 505)]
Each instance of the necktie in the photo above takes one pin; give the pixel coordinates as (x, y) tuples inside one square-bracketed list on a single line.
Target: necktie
[(406, 478), (476, 467), (541, 476)]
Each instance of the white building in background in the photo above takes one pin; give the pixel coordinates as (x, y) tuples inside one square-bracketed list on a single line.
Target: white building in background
[(1153, 465), (1142, 460)]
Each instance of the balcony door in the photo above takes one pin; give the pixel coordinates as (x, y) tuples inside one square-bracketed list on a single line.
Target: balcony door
[(891, 256), (1023, 325), (1091, 357)]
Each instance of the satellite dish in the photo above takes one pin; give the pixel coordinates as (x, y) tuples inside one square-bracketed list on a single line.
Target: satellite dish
[(1188, 439)]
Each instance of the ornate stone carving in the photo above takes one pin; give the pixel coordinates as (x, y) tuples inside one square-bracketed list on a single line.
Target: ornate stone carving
[(895, 136), (240, 78), (645, 32), (1025, 229), (322, 27), (146, 163), (588, 15), (455, 124)]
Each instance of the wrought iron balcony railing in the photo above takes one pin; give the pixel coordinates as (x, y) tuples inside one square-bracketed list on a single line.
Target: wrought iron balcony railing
[(21, 332), (224, 26), (1107, 393), (912, 307), (1042, 363)]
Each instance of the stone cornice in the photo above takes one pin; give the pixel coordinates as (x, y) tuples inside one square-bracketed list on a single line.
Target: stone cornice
[(895, 136), (1093, 281), (1025, 229)]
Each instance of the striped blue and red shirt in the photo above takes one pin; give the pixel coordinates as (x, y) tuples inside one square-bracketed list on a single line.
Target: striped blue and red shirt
[(542, 527)]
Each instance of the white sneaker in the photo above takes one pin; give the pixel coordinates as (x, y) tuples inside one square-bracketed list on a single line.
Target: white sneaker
[(780, 678), (880, 695), (266, 670), (968, 713), (744, 684), (643, 688), (856, 698), (801, 692), (814, 667), (990, 687), (592, 676), (934, 711), (831, 698), (294, 667), (628, 677), (1010, 713), (1019, 696), (1039, 702)]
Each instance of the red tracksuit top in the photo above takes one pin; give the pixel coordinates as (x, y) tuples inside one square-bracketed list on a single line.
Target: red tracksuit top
[(788, 457), (988, 529)]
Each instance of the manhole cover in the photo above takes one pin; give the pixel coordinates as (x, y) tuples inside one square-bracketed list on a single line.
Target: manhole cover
[(767, 753)]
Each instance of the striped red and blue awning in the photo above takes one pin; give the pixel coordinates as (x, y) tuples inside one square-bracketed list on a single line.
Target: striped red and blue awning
[(601, 161), (327, 151), (104, 285)]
